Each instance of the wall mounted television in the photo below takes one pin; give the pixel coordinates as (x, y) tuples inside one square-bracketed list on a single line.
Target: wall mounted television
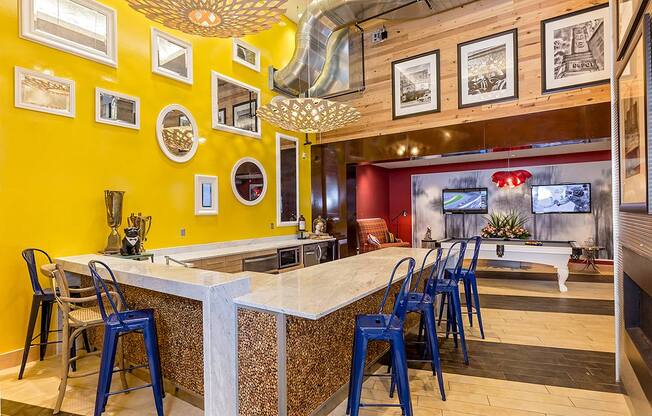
[(465, 201), (569, 198)]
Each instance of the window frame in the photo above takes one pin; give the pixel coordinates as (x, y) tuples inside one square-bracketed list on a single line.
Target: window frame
[(279, 137), (29, 32)]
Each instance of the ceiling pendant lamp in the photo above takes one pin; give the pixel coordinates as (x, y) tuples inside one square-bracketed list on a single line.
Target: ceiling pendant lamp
[(511, 179), (308, 115), (213, 18)]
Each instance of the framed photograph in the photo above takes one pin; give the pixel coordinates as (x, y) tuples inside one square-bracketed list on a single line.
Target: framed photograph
[(415, 85), (628, 14), (42, 92), (171, 57), (205, 195), (244, 115), (632, 146), (221, 116), (575, 49), (117, 109), (488, 69), (246, 54)]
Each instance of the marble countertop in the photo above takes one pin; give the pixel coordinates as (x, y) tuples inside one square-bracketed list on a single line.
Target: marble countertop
[(204, 251), (174, 280), (316, 291)]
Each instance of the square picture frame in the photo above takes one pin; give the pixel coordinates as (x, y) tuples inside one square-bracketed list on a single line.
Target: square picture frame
[(177, 54), (206, 199), (114, 112), (416, 85), (575, 49), (633, 102), (487, 69), (246, 54), (45, 93)]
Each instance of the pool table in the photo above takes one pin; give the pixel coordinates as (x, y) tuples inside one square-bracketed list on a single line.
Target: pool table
[(553, 253)]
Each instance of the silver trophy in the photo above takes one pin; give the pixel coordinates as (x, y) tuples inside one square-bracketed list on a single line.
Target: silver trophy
[(113, 202)]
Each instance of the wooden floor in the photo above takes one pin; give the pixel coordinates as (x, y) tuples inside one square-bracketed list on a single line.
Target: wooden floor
[(545, 354)]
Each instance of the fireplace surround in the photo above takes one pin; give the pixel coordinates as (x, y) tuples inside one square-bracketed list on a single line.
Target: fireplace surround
[(637, 308)]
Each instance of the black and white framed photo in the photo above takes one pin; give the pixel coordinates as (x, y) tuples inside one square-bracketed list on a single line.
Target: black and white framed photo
[(488, 69), (633, 124), (38, 91), (415, 85), (244, 115), (246, 54), (575, 49)]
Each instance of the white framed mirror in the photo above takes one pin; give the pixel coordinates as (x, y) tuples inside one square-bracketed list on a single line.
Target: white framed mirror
[(177, 133), (117, 109), (171, 57), (249, 181), (287, 180), (234, 106), (205, 195)]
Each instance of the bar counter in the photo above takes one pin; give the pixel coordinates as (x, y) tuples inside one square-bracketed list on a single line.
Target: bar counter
[(242, 340)]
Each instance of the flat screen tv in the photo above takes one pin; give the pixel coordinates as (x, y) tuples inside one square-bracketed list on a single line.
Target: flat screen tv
[(570, 198), (465, 201)]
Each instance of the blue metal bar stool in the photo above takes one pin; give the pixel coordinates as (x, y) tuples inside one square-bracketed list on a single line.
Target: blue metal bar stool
[(387, 328), (471, 286), (423, 303), (42, 299), (116, 324), (448, 287)]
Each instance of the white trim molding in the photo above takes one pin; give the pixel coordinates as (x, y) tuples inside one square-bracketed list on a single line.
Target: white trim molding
[(98, 109), (30, 32), (19, 73), (215, 105), (200, 181), (279, 137), (235, 190), (239, 42), (159, 133), (179, 42)]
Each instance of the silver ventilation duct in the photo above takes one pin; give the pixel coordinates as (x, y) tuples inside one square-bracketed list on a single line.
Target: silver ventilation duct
[(328, 57)]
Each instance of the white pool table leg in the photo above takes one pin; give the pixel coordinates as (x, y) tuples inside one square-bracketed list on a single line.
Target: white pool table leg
[(562, 274)]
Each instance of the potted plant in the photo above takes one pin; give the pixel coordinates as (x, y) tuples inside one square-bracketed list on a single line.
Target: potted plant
[(506, 225)]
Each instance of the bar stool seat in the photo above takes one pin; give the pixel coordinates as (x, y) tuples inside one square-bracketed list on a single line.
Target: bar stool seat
[(86, 315), (377, 324)]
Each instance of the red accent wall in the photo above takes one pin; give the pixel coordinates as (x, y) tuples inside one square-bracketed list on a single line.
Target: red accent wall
[(399, 182)]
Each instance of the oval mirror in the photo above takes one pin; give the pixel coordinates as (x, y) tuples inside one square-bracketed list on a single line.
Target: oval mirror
[(176, 131), (249, 181)]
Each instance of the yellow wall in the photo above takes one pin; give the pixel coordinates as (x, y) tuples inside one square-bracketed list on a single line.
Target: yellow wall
[(53, 169)]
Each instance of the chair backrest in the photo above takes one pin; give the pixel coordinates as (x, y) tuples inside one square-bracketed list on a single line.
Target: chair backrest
[(374, 226), (477, 242), (400, 305), (101, 288), (457, 270), (59, 282), (433, 270), (29, 255)]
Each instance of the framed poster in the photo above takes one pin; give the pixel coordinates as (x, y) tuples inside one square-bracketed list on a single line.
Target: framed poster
[(575, 49), (415, 85), (487, 69), (632, 146), (628, 14)]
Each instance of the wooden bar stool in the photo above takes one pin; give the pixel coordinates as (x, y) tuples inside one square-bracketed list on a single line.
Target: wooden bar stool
[(77, 317)]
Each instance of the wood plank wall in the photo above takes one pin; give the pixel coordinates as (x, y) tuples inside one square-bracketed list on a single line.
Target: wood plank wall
[(444, 31)]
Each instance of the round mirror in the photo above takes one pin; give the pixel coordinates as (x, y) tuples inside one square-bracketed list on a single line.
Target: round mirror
[(249, 181), (176, 131)]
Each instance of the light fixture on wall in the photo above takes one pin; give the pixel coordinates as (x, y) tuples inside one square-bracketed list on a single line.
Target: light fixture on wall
[(213, 18)]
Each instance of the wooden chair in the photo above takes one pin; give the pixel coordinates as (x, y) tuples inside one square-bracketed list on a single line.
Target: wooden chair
[(78, 314)]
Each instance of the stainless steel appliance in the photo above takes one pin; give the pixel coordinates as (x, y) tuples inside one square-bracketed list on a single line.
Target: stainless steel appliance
[(262, 264), (318, 253), (289, 257)]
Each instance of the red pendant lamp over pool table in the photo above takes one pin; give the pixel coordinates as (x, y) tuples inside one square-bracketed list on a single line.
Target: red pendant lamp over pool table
[(510, 178)]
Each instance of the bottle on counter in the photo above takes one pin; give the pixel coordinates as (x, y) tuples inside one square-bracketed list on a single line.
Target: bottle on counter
[(302, 227)]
